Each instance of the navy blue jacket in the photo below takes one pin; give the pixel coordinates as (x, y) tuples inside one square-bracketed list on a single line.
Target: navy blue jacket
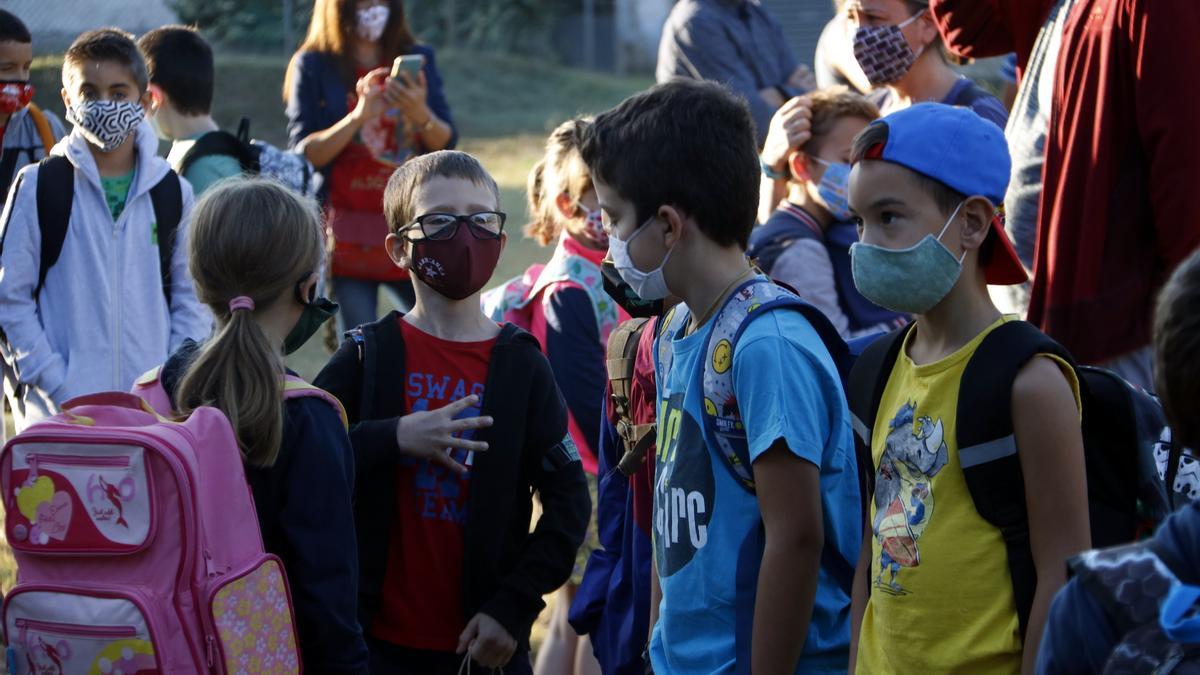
[(613, 601), (1079, 635), (313, 534), (317, 99)]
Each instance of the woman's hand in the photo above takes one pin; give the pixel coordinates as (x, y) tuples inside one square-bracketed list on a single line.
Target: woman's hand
[(372, 95), (410, 95), (431, 434)]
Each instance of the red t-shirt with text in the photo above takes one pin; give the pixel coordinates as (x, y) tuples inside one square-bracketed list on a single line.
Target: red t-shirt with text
[(422, 588)]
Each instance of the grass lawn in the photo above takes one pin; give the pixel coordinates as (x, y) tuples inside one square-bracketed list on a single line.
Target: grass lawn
[(504, 108)]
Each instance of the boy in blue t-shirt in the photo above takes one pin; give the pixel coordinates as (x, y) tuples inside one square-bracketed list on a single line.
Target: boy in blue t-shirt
[(749, 579)]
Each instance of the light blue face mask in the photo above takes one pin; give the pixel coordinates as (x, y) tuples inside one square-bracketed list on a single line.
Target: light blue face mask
[(910, 280), (832, 189)]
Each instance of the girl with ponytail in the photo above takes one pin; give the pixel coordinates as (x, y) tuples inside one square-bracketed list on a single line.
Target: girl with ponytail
[(572, 316), (255, 254)]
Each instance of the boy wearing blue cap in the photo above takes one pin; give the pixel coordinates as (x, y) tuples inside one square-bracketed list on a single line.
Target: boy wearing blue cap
[(936, 588), (754, 557)]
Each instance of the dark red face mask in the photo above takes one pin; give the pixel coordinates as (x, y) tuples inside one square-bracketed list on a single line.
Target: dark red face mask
[(14, 95), (456, 267)]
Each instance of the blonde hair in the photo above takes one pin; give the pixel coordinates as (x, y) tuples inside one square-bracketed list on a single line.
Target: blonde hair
[(400, 195), (561, 171), (256, 238)]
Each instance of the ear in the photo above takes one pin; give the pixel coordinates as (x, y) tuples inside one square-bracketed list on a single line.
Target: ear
[(675, 220), (146, 99), (397, 250), (307, 286), (975, 220), (154, 98), (798, 164), (566, 207), (66, 98), (927, 29)]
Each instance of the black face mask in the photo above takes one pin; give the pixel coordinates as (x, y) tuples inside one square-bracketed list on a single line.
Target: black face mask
[(316, 312), (623, 294)]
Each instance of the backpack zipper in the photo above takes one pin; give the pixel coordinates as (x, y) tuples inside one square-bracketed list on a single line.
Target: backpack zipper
[(75, 629)]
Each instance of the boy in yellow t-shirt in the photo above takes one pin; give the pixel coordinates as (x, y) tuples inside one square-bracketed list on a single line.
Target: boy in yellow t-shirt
[(933, 591)]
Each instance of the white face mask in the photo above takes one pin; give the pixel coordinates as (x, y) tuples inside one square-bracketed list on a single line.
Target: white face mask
[(648, 285), (372, 21)]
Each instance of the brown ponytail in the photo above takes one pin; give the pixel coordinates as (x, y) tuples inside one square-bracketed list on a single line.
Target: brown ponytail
[(254, 238), (561, 171)]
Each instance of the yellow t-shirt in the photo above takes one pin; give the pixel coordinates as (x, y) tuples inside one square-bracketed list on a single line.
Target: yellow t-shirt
[(941, 595)]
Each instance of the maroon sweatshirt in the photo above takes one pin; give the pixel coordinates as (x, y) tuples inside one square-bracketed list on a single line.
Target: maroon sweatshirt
[(1118, 208)]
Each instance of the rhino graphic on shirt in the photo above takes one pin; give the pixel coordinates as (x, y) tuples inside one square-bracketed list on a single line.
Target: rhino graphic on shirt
[(914, 452)]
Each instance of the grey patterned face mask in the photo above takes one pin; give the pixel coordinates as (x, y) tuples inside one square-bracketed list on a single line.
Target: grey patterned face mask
[(883, 53), (106, 124)]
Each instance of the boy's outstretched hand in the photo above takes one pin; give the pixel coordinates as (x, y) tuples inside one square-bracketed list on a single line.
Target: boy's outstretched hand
[(488, 643), (431, 434)]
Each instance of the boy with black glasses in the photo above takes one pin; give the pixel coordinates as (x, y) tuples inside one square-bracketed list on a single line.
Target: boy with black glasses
[(450, 570)]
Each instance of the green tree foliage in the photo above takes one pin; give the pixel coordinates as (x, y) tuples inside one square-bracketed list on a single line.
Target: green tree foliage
[(516, 26), (250, 25)]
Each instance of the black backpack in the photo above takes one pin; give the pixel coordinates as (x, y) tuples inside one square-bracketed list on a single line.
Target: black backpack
[(1121, 427), (55, 193), (257, 158)]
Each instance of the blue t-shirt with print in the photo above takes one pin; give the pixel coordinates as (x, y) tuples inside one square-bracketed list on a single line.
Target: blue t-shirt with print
[(707, 528)]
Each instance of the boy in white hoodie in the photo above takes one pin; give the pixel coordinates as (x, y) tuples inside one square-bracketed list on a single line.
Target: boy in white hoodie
[(94, 281)]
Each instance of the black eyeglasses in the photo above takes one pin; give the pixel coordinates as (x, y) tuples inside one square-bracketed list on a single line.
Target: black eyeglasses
[(442, 226)]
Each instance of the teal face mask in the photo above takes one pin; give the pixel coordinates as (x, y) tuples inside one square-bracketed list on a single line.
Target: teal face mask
[(911, 280), (316, 312)]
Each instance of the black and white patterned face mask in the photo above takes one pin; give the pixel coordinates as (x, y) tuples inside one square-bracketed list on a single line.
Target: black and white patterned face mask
[(106, 124)]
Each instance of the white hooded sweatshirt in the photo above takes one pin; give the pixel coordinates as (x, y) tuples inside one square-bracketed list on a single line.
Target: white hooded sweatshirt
[(101, 319)]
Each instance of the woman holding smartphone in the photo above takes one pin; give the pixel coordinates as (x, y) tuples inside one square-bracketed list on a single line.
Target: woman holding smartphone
[(356, 123)]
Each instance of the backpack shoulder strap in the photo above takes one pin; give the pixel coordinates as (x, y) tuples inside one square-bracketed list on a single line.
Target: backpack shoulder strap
[(45, 133), (723, 427), (575, 269), (864, 391), (664, 355), (216, 143), (295, 387), (987, 448), (55, 193), (622, 360), (167, 197)]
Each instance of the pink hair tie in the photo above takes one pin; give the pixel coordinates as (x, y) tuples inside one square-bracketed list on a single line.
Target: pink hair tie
[(241, 302)]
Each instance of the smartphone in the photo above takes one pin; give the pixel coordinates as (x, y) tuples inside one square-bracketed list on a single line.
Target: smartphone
[(409, 63)]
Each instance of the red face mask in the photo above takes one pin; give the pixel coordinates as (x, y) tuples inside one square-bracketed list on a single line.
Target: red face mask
[(456, 267), (14, 95)]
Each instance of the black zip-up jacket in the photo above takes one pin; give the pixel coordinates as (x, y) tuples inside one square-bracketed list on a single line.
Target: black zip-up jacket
[(506, 568)]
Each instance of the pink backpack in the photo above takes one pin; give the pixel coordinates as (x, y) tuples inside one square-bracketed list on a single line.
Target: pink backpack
[(138, 549)]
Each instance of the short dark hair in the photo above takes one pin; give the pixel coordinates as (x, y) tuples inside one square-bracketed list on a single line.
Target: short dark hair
[(180, 61), (13, 29), (398, 196), (687, 144), (106, 44), (876, 136), (1177, 351)]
